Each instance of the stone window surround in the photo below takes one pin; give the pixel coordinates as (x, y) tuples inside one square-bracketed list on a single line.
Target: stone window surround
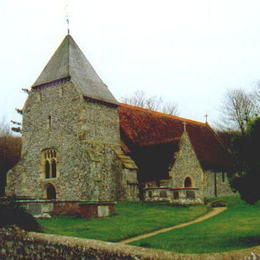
[(49, 156)]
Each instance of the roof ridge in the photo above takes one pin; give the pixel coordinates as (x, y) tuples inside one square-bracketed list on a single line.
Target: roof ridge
[(69, 39), (164, 114)]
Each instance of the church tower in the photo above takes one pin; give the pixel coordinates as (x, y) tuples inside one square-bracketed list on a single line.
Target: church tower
[(70, 133)]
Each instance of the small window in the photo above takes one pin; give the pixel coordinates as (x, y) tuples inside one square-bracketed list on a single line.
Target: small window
[(49, 122), (150, 194)]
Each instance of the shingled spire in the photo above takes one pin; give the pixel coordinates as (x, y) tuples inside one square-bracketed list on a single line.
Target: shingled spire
[(69, 62)]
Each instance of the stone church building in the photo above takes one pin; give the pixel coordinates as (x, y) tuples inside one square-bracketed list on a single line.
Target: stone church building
[(80, 143)]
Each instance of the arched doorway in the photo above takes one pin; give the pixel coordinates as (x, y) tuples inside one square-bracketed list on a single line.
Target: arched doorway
[(187, 182), (51, 192), (190, 194)]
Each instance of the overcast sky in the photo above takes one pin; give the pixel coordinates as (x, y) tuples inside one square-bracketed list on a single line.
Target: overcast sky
[(186, 51)]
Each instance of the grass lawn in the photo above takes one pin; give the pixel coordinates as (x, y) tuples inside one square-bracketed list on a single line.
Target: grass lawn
[(236, 228), (131, 219)]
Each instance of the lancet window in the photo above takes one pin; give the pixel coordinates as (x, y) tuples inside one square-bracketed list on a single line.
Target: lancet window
[(50, 163)]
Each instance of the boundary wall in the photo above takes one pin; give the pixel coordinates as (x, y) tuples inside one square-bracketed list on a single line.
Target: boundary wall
[(18, 244)]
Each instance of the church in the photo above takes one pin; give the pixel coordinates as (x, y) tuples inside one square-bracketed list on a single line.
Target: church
[(79, 143)]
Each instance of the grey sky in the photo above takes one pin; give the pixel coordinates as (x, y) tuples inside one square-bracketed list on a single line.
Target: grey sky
[(186, 51)]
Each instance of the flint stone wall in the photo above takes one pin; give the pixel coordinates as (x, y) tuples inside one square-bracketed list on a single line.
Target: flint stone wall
[(85, 135), (221, 188), (17, 244), (187, 165)]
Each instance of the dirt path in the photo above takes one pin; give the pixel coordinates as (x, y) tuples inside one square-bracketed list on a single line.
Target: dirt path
[(210, 214)]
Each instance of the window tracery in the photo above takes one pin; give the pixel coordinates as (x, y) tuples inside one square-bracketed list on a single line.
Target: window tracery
[(50, 163)]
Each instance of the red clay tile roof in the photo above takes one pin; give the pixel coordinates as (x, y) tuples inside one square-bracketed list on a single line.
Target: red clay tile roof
[(144, 127)]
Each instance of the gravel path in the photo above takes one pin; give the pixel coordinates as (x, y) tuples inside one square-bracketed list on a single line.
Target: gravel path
[(210, 214)]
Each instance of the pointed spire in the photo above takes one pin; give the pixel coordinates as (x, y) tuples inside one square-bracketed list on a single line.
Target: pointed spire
[(69, 62)]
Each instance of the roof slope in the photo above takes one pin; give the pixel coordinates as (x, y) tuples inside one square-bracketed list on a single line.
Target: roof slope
[(144, 127), (69, 62)]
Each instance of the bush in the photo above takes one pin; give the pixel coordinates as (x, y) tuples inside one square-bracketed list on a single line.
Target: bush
[(145, 244), (218, 203), (207, 201), (13, 214)]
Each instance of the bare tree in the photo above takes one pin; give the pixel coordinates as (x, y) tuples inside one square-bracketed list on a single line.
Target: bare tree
[(237, 109), (140, 99), (4, 128), (170, 108), (10, 148), (256, 97)]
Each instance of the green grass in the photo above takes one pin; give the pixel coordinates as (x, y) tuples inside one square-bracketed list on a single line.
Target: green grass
[(236, 228), (131, 219)]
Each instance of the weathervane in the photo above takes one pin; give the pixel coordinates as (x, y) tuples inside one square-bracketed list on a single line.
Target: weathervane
[(68, 25), (67, 16)]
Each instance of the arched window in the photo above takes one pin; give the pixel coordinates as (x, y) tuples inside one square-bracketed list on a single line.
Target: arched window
[(53, 168), (49, 163), (47, 169), (50, 192), (188, 182)]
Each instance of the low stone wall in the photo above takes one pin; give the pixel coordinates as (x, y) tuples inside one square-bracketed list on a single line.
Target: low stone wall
[(17, 244), (178, 196), (86, 209)]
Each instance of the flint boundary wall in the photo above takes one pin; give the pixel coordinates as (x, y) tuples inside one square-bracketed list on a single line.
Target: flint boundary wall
[(18, 244)]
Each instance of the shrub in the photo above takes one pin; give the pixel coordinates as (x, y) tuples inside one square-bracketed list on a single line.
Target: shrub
[(145, 244), (218, 203), (13, 214), (206, 200)]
